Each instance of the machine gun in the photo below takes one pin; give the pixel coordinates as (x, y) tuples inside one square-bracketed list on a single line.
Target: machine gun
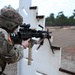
[(25, 33)]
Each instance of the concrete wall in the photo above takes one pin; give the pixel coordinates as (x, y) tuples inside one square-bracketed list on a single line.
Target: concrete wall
[(44, 62)]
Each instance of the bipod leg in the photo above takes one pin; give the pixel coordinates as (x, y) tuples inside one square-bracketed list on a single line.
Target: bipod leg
[(51, 46)]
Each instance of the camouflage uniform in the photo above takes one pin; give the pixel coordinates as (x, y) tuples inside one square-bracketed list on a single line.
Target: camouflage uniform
[(13, 53), (10, 19)]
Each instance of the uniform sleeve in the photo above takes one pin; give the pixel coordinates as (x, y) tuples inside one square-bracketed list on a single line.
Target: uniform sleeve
[(18, 52)]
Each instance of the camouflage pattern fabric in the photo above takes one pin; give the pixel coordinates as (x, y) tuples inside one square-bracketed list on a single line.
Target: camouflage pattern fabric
[(5, 49), (10, 18), (8, 52)]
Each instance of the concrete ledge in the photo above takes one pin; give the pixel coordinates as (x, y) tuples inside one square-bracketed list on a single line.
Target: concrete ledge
[(33, 7), (40, 17), (55, 48), (66, 71)]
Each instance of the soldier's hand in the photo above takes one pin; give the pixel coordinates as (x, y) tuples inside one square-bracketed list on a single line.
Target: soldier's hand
[(25, 43)]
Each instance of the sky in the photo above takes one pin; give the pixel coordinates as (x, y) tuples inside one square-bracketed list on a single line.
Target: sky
[(46, 7)]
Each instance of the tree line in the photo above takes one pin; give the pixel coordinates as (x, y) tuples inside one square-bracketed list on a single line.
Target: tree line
[(60, 20)]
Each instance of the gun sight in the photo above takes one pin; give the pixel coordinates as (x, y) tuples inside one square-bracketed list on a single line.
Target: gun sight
[(25, 26)]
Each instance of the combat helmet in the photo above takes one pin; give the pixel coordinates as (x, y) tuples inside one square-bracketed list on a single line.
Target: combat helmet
[(10, 19)]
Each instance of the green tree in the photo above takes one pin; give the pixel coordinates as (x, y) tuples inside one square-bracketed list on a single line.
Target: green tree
[(50, 20), (61, 19), (72, 19)]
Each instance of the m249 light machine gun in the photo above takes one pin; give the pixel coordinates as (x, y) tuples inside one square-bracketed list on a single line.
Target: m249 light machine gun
[(25, 33)]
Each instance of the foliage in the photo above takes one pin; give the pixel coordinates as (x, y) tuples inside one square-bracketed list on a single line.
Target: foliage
[(60, 20)]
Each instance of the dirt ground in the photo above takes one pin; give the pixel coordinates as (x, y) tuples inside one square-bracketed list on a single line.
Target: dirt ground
[(64, 38)]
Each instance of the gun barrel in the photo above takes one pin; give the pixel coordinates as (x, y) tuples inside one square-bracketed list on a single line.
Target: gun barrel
[(25, 33)]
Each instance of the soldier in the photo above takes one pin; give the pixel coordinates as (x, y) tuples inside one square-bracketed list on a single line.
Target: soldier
[(10, 19)]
